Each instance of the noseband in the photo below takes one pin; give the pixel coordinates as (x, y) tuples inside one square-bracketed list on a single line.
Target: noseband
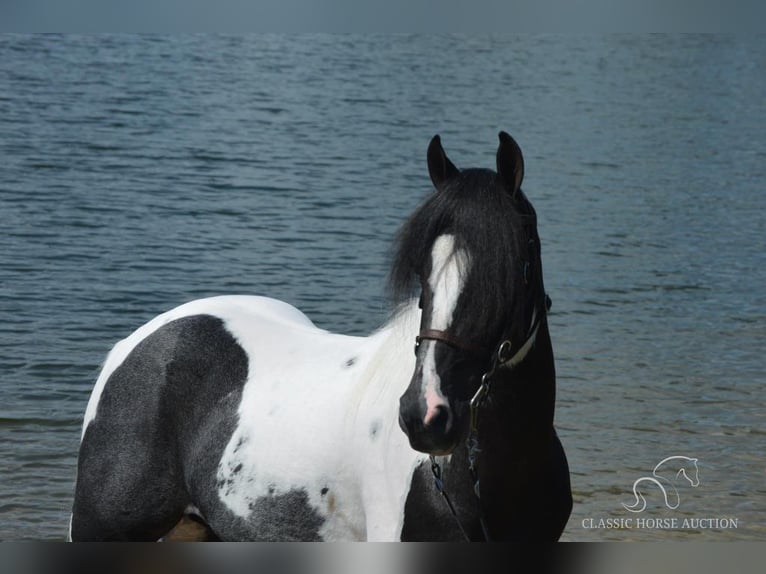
[(444, 337)]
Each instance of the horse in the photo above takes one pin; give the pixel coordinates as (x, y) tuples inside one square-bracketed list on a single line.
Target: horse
[(679, 466), (239, 412)]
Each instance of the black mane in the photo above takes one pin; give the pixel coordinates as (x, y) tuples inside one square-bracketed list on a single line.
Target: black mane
[(496, 228)]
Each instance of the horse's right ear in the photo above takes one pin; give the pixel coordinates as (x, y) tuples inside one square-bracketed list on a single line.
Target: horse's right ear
[(440, 168)]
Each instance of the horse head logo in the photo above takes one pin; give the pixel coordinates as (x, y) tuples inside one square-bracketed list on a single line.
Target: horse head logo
[(675, 466)]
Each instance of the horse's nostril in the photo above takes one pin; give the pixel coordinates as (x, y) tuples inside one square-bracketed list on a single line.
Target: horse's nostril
[(437, 418)]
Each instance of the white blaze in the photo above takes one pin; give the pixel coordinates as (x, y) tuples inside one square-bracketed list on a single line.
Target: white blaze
[(448, 271)]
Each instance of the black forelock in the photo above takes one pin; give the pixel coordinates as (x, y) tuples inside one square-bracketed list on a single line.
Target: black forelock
[(491, 225)]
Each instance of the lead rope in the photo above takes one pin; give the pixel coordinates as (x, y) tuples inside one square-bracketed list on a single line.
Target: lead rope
[(437, 471)]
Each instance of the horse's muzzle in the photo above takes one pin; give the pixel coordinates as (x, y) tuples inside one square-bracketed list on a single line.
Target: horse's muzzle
[(438, 437)]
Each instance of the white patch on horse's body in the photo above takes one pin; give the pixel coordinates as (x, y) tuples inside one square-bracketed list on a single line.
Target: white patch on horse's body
[(449, 267)]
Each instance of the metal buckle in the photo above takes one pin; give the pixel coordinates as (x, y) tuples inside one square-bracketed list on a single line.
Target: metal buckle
[(504, 351), (477, 399)]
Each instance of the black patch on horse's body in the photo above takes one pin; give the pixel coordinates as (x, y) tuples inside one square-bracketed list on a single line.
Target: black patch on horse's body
[(273, 518), (163, 420), (287, 517)]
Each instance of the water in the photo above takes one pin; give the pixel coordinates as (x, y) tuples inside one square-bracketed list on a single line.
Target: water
[(137, 173)]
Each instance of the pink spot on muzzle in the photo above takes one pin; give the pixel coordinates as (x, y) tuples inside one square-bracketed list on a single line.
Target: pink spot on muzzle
[(434, 403)]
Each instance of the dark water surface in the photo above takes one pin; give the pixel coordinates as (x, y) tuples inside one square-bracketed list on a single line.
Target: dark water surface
[(137, 173)]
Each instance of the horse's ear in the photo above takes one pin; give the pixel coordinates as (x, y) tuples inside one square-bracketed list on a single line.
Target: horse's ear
[(510, 163), (440, 168)]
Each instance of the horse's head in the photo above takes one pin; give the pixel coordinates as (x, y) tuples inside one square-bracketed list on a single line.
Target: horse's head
[(473, 251)]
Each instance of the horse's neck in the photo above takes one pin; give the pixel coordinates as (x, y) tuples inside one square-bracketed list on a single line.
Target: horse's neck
[(516, 433), (385, 374), (523, 398), (391, 360)]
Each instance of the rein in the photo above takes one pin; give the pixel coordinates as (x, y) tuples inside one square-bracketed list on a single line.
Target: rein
[(501, 359)]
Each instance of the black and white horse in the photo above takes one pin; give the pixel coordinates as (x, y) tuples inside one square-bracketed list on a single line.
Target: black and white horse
[(237, 410)]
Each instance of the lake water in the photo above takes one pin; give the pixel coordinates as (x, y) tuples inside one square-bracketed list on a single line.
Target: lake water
[(137, 173)]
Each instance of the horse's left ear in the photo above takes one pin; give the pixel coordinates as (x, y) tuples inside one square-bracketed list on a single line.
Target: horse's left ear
[(510, 163)]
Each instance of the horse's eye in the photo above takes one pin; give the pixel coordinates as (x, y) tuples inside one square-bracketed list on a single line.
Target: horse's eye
[(417, 345)]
